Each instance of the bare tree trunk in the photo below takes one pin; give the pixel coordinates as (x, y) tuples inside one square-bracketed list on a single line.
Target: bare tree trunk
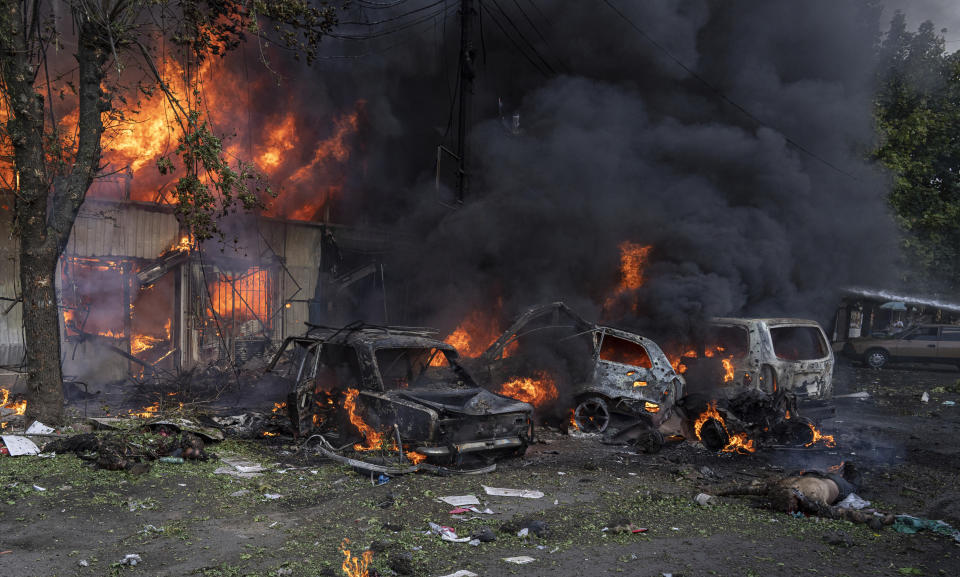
[(48, 194)]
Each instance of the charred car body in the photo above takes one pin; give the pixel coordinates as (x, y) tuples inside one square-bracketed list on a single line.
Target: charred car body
[(608, 376), (744, 380), (396, 385), (769, 354)]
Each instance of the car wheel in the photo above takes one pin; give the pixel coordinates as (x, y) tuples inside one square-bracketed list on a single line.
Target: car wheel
[(876, 358), (714, 435), (592, 415)]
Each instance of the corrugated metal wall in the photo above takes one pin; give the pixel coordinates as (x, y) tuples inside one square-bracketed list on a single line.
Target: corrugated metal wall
[(106, 229), (11, 319)]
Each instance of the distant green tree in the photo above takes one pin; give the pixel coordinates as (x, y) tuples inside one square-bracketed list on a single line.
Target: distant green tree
[(918, 115)]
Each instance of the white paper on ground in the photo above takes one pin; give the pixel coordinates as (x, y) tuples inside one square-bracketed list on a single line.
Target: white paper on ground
[(38, 428), (461, 573), (460, 500), (526, 493), (18, 445), (519, 560)]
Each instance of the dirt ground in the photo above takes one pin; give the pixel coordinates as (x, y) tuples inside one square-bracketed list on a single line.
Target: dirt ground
[(59, 516)]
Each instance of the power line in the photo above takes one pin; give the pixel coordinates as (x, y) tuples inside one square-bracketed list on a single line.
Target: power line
[(524, 38), (512, 41), (394, 18), (719, 93), (542, 37), (394, 30)]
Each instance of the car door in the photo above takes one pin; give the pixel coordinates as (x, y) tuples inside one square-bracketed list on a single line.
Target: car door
[(920, 344), (948, 349)]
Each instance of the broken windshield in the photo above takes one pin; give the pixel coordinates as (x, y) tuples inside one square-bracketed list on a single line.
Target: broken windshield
[(402, 367)]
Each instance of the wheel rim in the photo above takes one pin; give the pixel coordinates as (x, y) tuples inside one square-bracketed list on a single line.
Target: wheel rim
[(592, 416), (876, 359)]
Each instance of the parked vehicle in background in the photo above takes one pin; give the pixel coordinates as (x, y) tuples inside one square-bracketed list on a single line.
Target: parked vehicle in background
[(769, 354), (923, 343), (396, 385)]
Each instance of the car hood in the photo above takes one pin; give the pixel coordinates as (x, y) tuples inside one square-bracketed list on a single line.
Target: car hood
[(465, 401)]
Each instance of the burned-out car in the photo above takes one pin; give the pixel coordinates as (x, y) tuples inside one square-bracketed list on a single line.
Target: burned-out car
[(397, 387), (600, 375), (769, 354)]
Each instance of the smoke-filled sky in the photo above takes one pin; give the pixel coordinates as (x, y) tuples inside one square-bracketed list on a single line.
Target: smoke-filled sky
[(733, 137), (762, 214)]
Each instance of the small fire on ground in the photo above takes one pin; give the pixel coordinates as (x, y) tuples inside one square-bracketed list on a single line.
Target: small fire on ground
[(18, 407), (738, 443), (374, 440), (818, 436), (537, 390), (355, 566)]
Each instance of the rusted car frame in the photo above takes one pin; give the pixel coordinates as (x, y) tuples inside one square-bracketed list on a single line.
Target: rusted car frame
[(408, 385)]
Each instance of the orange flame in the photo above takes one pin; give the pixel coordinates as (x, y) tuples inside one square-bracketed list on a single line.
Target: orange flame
[(244, 297), (738, 443), (633, 260), (19, 407), (536, 390), (355, 566), (818, 436), (373, 438), (415, 457), (269, 434), (476, 332), (277, 407), (728, 369), (573, 420), (146, 412)]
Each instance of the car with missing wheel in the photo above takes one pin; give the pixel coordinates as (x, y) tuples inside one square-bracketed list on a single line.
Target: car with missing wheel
[(397, 384), (927, 343), (607, 378)]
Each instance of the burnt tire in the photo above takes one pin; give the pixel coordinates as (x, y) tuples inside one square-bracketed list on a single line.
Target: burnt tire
[(651, 443), (713, 435), (592, 415), (876, 358)]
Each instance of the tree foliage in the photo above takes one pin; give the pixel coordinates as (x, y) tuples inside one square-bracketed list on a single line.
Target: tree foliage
[(49, 160), (918, 115)]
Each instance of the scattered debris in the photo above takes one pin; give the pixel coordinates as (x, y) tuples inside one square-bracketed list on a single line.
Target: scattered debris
[(461, 573), (525, 493), (522, 560), (131, 559), (909, 525), (447, 533), (38, 428), (18, 446), (272, 496), (861, 395), (461, 500), (925, 397), (240, 468), (704, 499), (484, 535)]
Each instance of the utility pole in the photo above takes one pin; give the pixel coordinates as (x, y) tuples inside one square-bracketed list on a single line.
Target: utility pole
[(467, 74)]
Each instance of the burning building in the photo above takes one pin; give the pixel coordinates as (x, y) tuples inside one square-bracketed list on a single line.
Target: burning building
[(135, 292)]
